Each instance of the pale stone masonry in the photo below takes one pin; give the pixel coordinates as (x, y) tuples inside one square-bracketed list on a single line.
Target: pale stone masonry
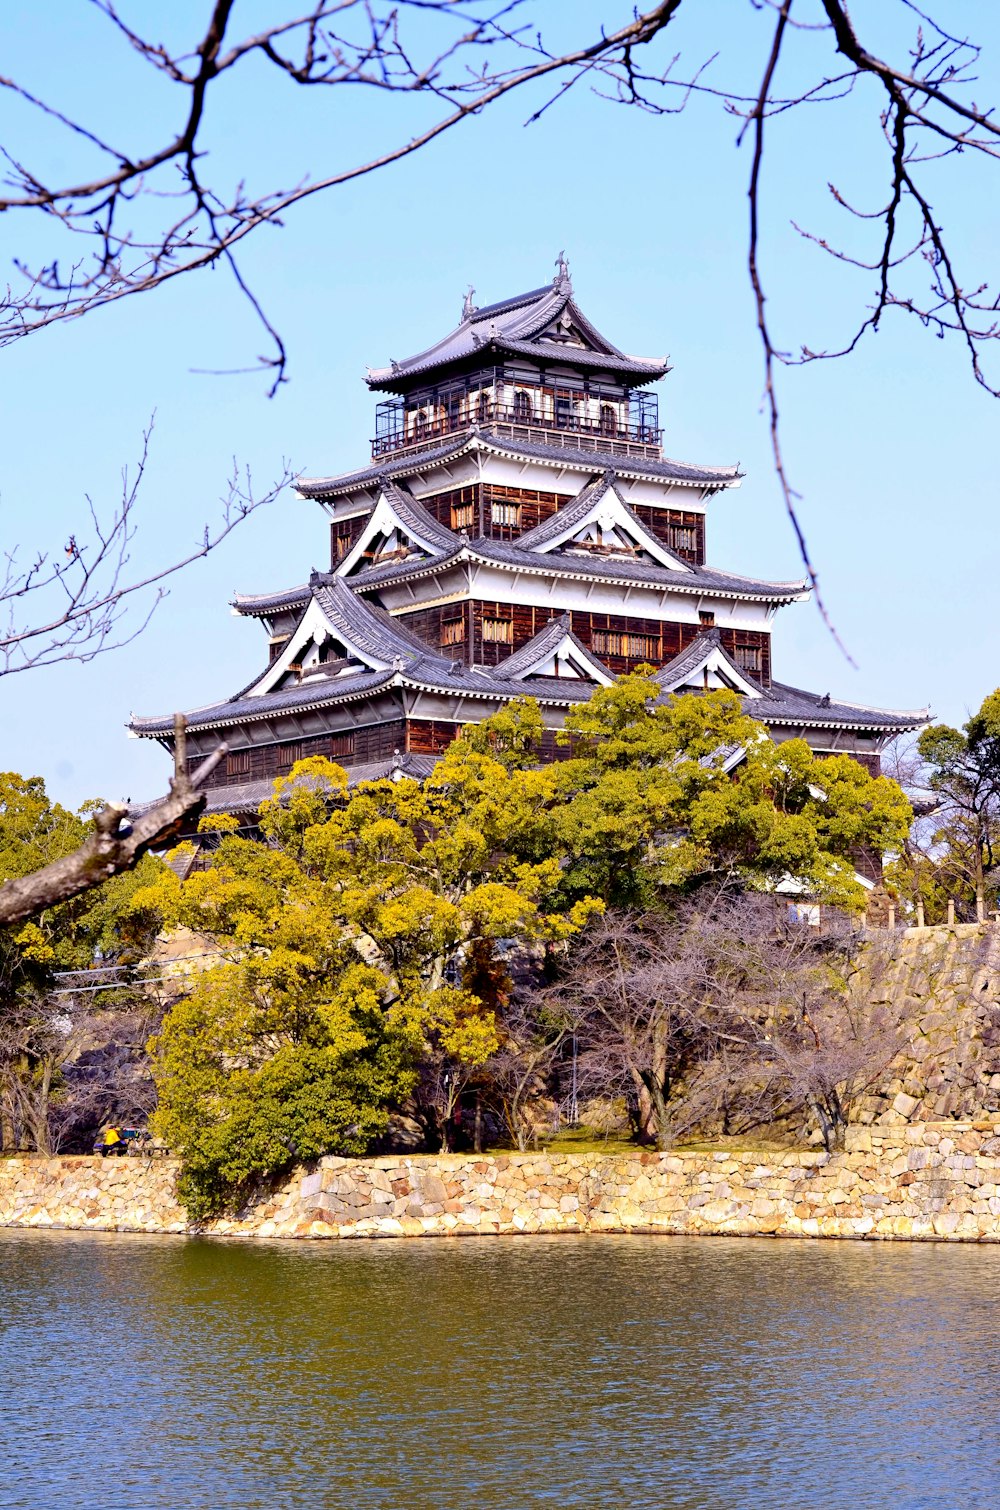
[(924, 1181)]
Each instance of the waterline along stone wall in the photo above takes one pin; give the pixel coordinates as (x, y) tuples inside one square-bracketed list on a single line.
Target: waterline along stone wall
[(924, 1181)]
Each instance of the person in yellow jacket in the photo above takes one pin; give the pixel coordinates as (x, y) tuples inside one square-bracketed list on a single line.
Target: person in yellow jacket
[(112, 1142)]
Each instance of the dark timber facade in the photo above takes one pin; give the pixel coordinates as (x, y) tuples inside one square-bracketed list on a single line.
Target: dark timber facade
[(518, 530)]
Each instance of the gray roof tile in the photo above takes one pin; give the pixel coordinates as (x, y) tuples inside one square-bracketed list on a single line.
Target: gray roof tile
[(698, 580), (308, 694), (545, 642), (247, 796), (515, 325), (781, 704), (661, 469)]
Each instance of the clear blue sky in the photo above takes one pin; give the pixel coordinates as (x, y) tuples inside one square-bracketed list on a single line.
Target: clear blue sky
[(893, 450)]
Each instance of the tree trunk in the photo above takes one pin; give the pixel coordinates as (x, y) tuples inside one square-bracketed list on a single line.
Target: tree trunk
[(40, 1116), (645, 1111)]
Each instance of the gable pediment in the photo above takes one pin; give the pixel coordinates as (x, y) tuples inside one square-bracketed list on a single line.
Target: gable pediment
[(707, 668), (390, 533), (555, 651), (607, 528), (317, 646), (565, 331), (567, 658)]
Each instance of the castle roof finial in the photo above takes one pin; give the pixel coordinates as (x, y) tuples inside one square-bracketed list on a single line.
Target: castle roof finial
[(562, 279), (468, 307)]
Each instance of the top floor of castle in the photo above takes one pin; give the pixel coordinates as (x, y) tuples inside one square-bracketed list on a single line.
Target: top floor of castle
[(532, 367)]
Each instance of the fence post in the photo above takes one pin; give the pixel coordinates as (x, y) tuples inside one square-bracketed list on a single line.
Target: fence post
[(951, 912), (920, 912)]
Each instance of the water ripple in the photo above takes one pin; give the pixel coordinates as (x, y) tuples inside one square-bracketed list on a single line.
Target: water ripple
[(588, 1372)]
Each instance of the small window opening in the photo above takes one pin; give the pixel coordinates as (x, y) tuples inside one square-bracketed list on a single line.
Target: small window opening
[(498, 631)]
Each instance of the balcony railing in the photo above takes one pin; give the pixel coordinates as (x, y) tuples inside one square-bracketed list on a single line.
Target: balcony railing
[(571, 431)]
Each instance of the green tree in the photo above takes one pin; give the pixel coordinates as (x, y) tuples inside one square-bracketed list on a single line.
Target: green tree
[(964, 775), (354, 940), (665, 793)]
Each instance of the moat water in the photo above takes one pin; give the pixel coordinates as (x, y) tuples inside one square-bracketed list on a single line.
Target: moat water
[(709, 1374)]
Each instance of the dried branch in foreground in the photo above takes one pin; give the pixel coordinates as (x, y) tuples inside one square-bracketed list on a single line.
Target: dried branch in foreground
[(71, 608), (141, 218), (115, 845)]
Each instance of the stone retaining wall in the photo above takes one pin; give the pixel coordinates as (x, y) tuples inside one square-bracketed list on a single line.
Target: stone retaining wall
[(927, 1181), (945, 982)]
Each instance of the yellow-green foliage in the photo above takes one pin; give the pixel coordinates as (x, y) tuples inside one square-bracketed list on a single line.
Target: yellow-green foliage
[(671, 792), (346, 937), (354, 934), (34, 831)]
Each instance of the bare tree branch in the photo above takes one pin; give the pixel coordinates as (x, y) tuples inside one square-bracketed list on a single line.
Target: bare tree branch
[(142, 218), (115, 845), (74, 608)]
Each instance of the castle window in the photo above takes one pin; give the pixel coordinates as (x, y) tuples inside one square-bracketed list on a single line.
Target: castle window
[(463, 516), (453, 632), (341, 744), (238, 763), (684, 538), (288, 755), (636, 647), (523, 407), (483, 408), (609, 420), (498, 631), (565, 413), (505, 513), (749, 658), (706, 617)]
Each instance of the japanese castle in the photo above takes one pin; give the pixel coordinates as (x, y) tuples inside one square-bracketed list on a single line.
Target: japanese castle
[(518, 530)]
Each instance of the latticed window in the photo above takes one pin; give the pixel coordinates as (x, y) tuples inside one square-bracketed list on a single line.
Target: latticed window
[(238, 763), (523, 407), (453, 632), (683, 537), (498, 631), (341, 744), (636, 647), (463, 516), (505, 513), (706, 616), (749, 658), (288, 755), (609, 419)]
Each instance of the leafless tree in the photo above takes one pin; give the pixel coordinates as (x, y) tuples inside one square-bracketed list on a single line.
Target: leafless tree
[(727, 1016), (534, 1027), (143, 215), (67, 1066)]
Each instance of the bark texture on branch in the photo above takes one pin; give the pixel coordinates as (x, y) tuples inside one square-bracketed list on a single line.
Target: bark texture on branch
[(115, 845)]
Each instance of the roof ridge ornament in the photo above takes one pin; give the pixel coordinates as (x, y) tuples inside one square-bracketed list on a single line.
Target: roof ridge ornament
[(562, 279), (468, 306)]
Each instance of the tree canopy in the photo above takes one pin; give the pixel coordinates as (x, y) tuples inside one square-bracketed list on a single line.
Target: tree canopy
[(370, 939)]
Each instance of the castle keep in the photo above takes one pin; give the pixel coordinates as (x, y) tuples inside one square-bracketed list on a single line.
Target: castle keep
[(518, 530)]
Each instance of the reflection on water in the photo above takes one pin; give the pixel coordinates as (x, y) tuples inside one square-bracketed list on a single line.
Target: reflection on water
[(712, 1374)]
